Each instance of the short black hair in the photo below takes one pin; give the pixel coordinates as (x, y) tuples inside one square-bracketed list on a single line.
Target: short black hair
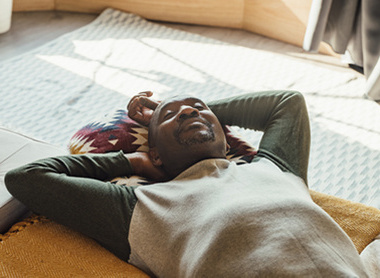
[(154, 120)]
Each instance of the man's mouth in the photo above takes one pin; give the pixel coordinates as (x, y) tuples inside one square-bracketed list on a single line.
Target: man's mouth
[(192, 123), (194, 131)]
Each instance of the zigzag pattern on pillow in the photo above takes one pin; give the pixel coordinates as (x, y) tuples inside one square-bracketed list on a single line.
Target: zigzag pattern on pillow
[(112, 133)]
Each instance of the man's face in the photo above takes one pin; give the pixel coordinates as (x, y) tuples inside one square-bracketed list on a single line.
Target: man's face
[(186, 130)]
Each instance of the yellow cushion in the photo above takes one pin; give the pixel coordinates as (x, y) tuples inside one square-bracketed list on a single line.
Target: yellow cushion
[(360, 222), (38, 247)]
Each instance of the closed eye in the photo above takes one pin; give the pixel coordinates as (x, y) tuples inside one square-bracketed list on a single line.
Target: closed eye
[(199, 106), (168, 114)]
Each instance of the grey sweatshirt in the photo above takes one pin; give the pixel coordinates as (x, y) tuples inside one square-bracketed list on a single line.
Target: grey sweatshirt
[(218, 219)]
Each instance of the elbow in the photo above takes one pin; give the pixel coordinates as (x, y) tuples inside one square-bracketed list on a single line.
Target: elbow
[(13, 181), (17, 182), (297, 102), (296, 98)]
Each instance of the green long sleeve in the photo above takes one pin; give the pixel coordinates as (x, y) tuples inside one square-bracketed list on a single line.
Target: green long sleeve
[(94, 166), (72, 190), (282, 116)]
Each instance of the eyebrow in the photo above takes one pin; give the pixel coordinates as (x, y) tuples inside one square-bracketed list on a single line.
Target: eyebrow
[(174, 101)]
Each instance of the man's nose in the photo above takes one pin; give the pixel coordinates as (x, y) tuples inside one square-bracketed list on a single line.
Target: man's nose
[(187, 112)]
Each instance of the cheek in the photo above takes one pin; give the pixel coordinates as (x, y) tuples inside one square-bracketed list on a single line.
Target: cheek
[(165, 136), (166, 130), (167, 148), (218, 130), (213, 120)]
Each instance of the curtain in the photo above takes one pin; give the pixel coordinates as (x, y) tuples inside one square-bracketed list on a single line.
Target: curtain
[(351, 27)]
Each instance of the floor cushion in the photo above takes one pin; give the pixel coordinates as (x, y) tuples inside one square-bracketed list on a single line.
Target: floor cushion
[(37, 247)]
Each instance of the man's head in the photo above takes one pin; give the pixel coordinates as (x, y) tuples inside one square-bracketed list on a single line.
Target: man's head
[(183, 131)]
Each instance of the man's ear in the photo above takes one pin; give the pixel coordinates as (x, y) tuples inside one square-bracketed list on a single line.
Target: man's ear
[(154, 157)]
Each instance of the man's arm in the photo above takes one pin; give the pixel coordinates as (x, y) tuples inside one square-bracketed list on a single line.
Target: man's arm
[(282, 116), (71, 191), (36, 184)]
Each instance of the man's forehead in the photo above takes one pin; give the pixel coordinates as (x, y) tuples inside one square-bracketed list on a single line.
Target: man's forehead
[(177, 100)]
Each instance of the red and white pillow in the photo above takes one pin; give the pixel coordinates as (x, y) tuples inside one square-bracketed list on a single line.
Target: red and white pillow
[(112, 133)]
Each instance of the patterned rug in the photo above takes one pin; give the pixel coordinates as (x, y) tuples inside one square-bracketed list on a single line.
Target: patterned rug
[(51, 92)]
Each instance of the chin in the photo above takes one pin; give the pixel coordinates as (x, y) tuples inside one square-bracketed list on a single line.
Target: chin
[(197, 139)]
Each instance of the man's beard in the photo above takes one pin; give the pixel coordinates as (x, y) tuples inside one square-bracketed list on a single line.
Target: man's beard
[(197, 137)]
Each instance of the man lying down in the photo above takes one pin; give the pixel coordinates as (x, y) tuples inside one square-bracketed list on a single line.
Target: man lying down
[(205, 216)]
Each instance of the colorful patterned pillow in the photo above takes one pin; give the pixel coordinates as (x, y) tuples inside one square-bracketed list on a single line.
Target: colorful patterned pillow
[(240, 150), (118, 132), (114, 132)]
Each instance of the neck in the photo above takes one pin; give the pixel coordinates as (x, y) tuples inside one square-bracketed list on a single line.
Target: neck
[(177, 167)]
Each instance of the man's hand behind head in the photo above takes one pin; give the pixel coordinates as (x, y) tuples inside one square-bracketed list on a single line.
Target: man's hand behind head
[(142, 166), (140, 108)]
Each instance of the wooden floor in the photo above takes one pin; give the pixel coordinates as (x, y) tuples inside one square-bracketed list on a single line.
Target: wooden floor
[(32, 29)]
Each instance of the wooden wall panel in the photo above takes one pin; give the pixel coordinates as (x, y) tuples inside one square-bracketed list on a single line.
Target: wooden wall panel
[(283, 20), (224, 13), (33, 5)]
